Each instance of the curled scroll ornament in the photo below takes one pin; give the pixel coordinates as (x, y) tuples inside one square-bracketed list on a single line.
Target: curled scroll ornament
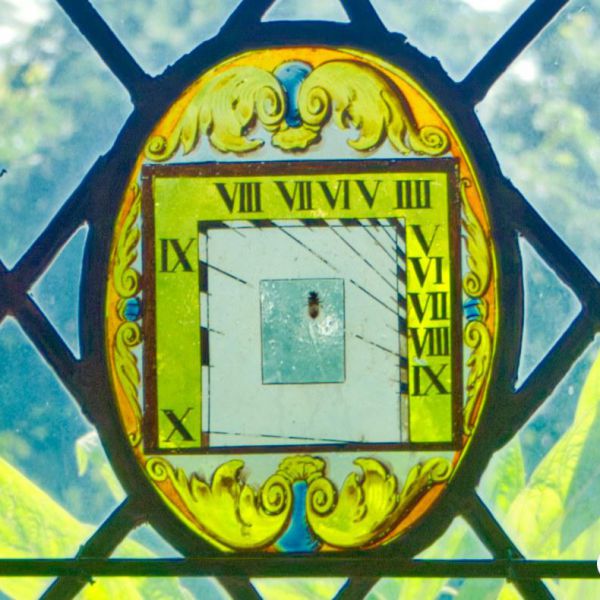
[(225, 110), (368, 506), (228, 108), (235, 516), (129, 336), (126, 281), (356, 95), (475, 284), (126, 278), (228, 510)]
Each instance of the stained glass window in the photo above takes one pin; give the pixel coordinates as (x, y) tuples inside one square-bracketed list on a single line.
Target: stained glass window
[(310, 315)]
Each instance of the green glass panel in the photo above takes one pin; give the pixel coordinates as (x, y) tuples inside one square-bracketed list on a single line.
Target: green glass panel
[(552, 472), (295, 588), (458, 541), (430, 419)]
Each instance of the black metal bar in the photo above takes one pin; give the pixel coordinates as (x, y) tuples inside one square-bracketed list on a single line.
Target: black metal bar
[(301, 565), (63, 225), (489, 531), (500, 56), (239, 588), (78, 376), (565, 263), (47, 340), (110, 49), (103, 543), (356, 588), (249, 12), (361, 12), (7, 290), (548, 374)]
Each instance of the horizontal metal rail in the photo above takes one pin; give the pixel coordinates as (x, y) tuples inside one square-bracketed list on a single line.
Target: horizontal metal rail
[(301, 566)]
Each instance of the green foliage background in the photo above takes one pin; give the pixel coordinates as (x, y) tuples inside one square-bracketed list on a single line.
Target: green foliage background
[(60, 108)]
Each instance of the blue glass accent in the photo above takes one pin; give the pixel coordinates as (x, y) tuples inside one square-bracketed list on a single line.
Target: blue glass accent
[(297, 346), (298, 537), (133, 309), (471, 308), (291, 75)]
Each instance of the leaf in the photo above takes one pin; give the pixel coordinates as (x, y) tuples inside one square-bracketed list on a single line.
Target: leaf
[(585, 547), (504, 478), (90, 457), (458, 542), (537, 515), (481, 589), (297, 589), (540, 519), (33, 525), (503, 481), (582, 506)]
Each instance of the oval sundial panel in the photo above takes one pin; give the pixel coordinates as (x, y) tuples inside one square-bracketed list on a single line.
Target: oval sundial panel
[(301, 313)]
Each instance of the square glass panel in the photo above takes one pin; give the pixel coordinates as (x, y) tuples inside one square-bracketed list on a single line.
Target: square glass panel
[(296, 306), (302, 326)]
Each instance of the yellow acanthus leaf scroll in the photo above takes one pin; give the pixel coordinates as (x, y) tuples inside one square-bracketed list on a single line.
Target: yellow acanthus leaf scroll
[(476, 283), (367, 506), (228, 510), (228, 107), (129, 336), (234, 516), (224, 110), (478, 338), (356, 95), (479, 257), (126, 281), (302, 468)]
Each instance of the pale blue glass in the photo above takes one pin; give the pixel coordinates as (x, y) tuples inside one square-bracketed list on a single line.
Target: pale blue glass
[(297, 346)]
